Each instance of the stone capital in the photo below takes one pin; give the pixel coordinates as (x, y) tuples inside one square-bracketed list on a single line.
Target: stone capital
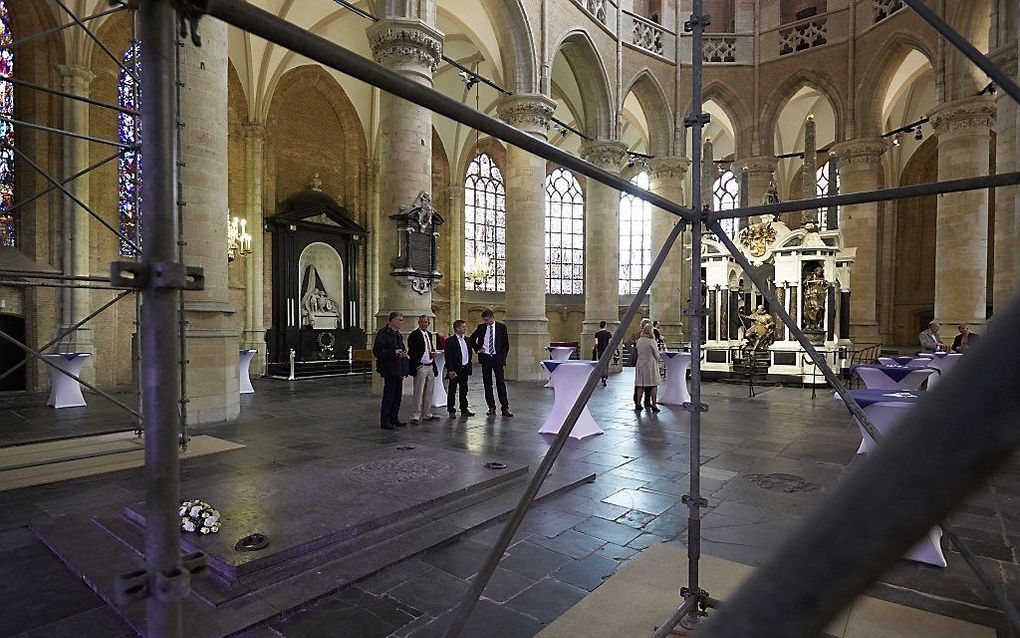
[(529, 112), (865, 151), (605, 154), (970, 115), (670, 167), (253, 131), (762, 166), (76, 79), (406, 44)]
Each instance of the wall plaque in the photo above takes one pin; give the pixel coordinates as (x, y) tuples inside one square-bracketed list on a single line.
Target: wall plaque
[(417, 234)]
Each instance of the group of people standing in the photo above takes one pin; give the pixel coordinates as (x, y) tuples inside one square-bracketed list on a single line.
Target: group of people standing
[(647, 345), (930, 340), (490, 342)]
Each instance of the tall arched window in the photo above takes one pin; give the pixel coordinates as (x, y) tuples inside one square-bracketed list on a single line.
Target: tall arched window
[(635, 238), (129, 164), (564, 233), (484, 226), (827, 185), (8, 219), (726, 196)]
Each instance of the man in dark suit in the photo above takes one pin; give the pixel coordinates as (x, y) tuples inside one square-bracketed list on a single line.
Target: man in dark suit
[(392, 365), (421, 351), (965, 339), (492, 343), (458, 369)]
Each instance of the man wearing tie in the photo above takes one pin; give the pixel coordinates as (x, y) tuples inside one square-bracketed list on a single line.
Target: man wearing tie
[(458, 369), (421, 350), (491, 342)]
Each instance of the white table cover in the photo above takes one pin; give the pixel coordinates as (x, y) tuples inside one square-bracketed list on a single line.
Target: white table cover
[(439, 387), (560, 353), (65, 392), (567, 380), (244, 358), (676, 392)]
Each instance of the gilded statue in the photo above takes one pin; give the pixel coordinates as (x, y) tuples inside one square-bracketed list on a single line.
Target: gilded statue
[(815, 290), (761, 332)]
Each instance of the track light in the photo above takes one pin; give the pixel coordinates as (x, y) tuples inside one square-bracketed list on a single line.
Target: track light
[(918, 134), (469, 79), (896, 139)]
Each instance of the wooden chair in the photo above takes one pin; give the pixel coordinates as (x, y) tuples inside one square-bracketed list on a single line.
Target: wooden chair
[(365, 358)]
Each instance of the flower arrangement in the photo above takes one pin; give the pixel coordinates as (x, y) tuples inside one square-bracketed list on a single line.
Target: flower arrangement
[(199, 516)]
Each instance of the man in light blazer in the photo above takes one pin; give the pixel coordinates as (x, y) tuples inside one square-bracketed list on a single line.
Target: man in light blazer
[(421, 349), (492, 343), (929, 339)]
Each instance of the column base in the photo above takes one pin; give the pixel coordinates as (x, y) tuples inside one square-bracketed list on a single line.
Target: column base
[(673, 333), (863, 334), (255, 340), (214, 391), (529, 338)]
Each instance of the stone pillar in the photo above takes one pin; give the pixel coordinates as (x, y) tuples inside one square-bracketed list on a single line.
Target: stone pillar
[(76, 303), (412, 48), (525, 238), (212, 337), (602, 242), (1006, 240), (860, 169), (253, 337), (961, 257), (455, 223), (667, 178), (760, 170)]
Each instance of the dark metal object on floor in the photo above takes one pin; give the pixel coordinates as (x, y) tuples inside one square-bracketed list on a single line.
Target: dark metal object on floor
[(252, 542)]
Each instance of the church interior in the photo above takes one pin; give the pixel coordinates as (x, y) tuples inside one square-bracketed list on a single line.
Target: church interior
[(192, 284)]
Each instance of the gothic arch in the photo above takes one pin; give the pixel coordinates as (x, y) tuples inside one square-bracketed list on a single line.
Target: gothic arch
[(786, 89), (876, 80), (971, 20), (738, 114), (516, 43), (592, 81), (488, 145), (653, 102)]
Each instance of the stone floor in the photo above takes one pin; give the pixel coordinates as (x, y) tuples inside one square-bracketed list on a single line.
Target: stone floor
[(568, 545)]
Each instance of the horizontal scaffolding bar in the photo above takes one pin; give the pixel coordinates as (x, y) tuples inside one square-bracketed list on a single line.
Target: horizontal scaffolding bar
[(56, 276), (43, 284), (58, 131), (42, 34), (70, 96), (272, 28), (866, 197)]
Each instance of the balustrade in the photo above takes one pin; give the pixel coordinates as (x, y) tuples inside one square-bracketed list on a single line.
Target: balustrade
[(803, 35)]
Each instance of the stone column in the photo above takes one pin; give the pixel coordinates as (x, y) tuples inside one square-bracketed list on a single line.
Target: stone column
[(253, 337), (76, 303), (961, 254), (1006, 241), (760, 170), (455, 221), (601, 242), (412, 48), (860, 169), (212, 337), (667, 178), (525, 238)]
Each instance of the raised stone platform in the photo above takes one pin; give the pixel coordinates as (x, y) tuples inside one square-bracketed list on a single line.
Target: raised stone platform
[(329, 522)]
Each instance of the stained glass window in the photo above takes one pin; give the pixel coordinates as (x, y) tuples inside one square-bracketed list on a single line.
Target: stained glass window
[(564, 234), (827, 185), (484, 226), (635, 238), (726, 196), (8, 218), (129, 164)]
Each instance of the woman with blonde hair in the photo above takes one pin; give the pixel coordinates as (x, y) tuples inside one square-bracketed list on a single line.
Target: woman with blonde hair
[(646, 370)]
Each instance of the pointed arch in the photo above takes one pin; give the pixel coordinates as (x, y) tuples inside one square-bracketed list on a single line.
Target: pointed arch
[(516, 43), (592, 80), (653, 102), (816, 80), (877, 78), (737, 112)]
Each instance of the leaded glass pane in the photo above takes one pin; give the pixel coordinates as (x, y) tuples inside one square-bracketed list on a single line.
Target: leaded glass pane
[(726, 196), (8, 218), (129, 164), (485, 224), (635, 238), (564, 229)]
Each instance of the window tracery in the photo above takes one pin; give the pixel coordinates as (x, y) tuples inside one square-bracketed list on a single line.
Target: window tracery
[(635, 238), (484, 226), (726, 196), (564, 234)]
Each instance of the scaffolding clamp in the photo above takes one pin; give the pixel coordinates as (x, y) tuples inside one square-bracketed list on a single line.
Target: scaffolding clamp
[(701, 407), (686, 500), (703, 598), (690, 121), (170, 586), (704, 21), (158, 274)]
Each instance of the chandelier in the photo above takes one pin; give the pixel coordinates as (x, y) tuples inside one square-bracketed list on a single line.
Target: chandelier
[(238, 238), (479, 269)]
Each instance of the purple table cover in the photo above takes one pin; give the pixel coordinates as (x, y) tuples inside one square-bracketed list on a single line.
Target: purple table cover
[(864, 398), (896, 373), (902, 360)]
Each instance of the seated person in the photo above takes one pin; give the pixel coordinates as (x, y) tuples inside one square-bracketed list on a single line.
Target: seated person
[(965, 339), (929, 339)]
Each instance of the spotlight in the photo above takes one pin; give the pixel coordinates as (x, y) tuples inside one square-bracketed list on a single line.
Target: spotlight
[(896, 139), (469, 79), (918, 134)]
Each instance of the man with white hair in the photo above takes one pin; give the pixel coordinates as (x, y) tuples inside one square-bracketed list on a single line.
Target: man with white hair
[(929, 339)]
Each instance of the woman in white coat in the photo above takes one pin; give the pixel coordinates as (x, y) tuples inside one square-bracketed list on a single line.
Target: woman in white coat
[(646, 370)]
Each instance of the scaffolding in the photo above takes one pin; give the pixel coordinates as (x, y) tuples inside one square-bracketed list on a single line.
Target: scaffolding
[(130, 241), (863, 527)]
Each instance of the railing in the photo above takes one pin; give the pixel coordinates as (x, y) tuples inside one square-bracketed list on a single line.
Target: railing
[(646, 34), (803, 35), (719, 49), (882, 9), (597, 8)]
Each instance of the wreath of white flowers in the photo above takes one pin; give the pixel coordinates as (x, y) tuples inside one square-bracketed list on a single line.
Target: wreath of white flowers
[(199, 516)]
